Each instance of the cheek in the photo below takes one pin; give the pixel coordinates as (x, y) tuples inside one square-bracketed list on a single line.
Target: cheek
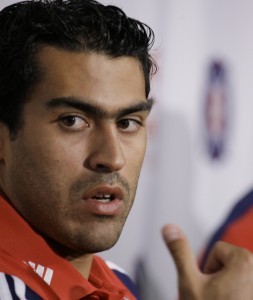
[(39, 166), (37, 180), (134, 155), (57, 156), (137, 149)]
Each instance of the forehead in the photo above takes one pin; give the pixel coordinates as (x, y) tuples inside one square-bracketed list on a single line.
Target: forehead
[(88, 75)]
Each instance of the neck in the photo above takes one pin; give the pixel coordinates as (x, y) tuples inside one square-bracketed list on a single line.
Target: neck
[(82, 264)]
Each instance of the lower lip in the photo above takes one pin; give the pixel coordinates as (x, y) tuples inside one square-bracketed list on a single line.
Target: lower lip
[(112, 208)]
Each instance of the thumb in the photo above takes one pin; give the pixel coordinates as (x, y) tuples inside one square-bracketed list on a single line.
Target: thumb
[(181, 252)]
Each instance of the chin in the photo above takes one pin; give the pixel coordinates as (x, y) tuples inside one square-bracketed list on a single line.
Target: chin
[(96, 247), (90, 245), (79, 241)]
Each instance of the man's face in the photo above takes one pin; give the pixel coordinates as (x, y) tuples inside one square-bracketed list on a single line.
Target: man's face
[(72, 170)]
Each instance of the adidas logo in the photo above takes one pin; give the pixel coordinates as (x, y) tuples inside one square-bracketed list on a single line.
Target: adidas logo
[(45, 273)]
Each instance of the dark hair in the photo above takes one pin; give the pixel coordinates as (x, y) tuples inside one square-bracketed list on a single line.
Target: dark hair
[(75, 25)]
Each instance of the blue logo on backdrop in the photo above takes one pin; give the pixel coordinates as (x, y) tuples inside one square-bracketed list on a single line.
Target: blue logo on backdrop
[(216, 111)]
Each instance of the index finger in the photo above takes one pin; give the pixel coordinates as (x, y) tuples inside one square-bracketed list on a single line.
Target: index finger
[(181, 252)]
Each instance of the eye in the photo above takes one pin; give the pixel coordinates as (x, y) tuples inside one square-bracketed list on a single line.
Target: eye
[(129, 125), (74, 122)]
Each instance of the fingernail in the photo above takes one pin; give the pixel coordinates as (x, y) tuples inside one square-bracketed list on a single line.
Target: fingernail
[(171, 233)]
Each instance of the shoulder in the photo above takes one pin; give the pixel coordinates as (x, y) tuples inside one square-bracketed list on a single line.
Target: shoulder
[(114, 271), (19, 281), (124, 278)]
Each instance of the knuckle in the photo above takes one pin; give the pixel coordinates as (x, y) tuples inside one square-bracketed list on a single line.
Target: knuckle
[(244, 258), (247, 256), (220, 244)]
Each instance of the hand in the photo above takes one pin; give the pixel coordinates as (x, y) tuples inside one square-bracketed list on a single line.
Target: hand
[(228, 272)]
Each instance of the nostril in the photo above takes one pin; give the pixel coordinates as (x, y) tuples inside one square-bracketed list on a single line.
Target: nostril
[(103, 168)]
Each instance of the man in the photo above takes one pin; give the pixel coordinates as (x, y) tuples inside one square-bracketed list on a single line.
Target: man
[(74, 85), (74, 88)]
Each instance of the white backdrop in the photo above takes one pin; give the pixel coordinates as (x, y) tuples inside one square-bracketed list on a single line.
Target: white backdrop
[(179, 183)]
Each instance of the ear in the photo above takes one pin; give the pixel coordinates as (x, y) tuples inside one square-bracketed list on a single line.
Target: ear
[(4, 141)]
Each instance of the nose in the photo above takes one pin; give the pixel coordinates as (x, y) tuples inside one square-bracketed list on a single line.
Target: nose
[(106, 153)]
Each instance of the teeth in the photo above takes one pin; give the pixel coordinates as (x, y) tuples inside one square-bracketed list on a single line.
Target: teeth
[(103, 200), (103, 197)]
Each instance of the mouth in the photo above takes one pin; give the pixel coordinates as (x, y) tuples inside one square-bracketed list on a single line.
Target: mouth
[(104, 193), (104, 200)]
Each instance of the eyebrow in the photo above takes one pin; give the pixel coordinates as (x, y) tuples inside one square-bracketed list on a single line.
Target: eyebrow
[(84, 106)]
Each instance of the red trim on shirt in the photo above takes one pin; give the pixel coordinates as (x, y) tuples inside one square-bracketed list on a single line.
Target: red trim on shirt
[(239, 233)]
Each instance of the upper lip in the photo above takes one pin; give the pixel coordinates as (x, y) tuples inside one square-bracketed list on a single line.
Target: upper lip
[(115, 192)]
